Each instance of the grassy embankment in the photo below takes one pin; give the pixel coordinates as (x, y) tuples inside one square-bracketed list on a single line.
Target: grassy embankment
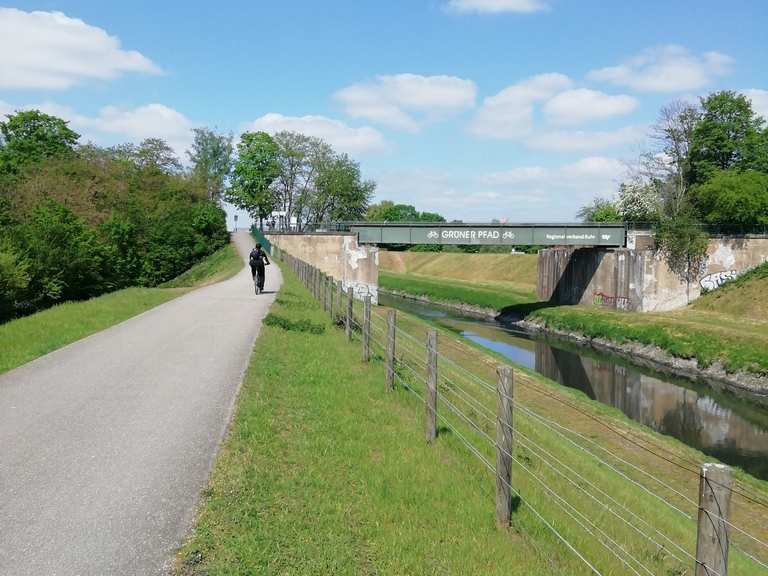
[(727, 326), (491, 281), (517, 272), (493, 297), (33, 336), (325, 472)]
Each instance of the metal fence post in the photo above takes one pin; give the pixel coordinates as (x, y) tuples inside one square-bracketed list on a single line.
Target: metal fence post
[(504, 444), (348, 325), (367, 329), (391, 324), (431, 390), (712, 533)]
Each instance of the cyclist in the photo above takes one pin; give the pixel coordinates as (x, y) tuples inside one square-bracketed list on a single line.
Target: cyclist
[(257, 260)]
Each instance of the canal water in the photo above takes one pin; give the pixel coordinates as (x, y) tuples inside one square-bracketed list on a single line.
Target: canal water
[(718, 423)]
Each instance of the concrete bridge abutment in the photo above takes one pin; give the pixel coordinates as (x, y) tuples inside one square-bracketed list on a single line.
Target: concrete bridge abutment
[(337, 254), (639, 280)]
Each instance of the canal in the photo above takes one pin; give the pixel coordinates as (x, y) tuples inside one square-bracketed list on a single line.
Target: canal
[(719, 424)]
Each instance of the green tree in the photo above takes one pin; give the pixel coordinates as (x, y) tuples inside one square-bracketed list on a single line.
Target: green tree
[(30, 136), (152, 154), (65, 255), (728, 136), (299, 157), (14, 278), (256, 168), (683, 244), (211, 157), (431, 217), (340, 191), (388, 211), (668, 166), (600, 210), (734, 198), (638, 201)]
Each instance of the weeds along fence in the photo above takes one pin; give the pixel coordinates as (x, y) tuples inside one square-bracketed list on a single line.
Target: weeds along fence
[(617, 501)]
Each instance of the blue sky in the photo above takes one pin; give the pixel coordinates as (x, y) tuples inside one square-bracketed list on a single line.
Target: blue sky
[(478, 109)]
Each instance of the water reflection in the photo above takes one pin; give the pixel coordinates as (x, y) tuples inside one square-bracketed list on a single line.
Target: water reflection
[(733, 430)]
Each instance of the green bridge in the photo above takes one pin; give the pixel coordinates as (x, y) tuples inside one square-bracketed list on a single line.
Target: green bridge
[(489, 234)]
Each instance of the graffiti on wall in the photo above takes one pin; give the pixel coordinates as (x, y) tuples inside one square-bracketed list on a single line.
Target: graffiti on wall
[(717, 279), (610, 301)]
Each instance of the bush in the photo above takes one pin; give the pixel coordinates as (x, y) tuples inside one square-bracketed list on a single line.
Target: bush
[(66, 257), (14, 278), (86, 220), (734, 198)]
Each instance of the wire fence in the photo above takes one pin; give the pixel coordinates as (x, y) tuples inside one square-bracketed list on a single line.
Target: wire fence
[(617, 500)]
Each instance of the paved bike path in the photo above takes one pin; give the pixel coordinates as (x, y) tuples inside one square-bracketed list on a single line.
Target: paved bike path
[(106, 443)]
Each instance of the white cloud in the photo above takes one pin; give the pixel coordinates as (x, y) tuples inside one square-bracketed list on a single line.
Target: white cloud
[(520, 175), (556, 192), (509, 114), (666, 69), (586, 170), (496, 6), (392, 100), (585, 140), (593, 168), (112, 124), (53, 51), (520, 194), (582, 105), (136, 124), (334, 132), (759, 100)]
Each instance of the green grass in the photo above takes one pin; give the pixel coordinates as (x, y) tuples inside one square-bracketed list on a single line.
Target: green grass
[(30, 337), (727, 326), (517, 271), (222, 264), (324, 472), (492, 296), (709, 338), (27, 338), (744, 297)]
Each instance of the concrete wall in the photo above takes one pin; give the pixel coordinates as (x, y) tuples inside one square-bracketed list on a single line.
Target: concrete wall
[(639, 280), (338, 255)]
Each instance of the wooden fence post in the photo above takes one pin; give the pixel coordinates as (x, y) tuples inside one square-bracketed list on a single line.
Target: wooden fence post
[(312, 277), (712, 532), (504, 444), (391, 323), (348, 325), (323, 293), (367, 329), (431, 390), (340, 295), (330, 298)]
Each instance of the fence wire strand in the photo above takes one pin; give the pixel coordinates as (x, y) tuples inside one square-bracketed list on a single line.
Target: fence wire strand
[(409, 349)]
